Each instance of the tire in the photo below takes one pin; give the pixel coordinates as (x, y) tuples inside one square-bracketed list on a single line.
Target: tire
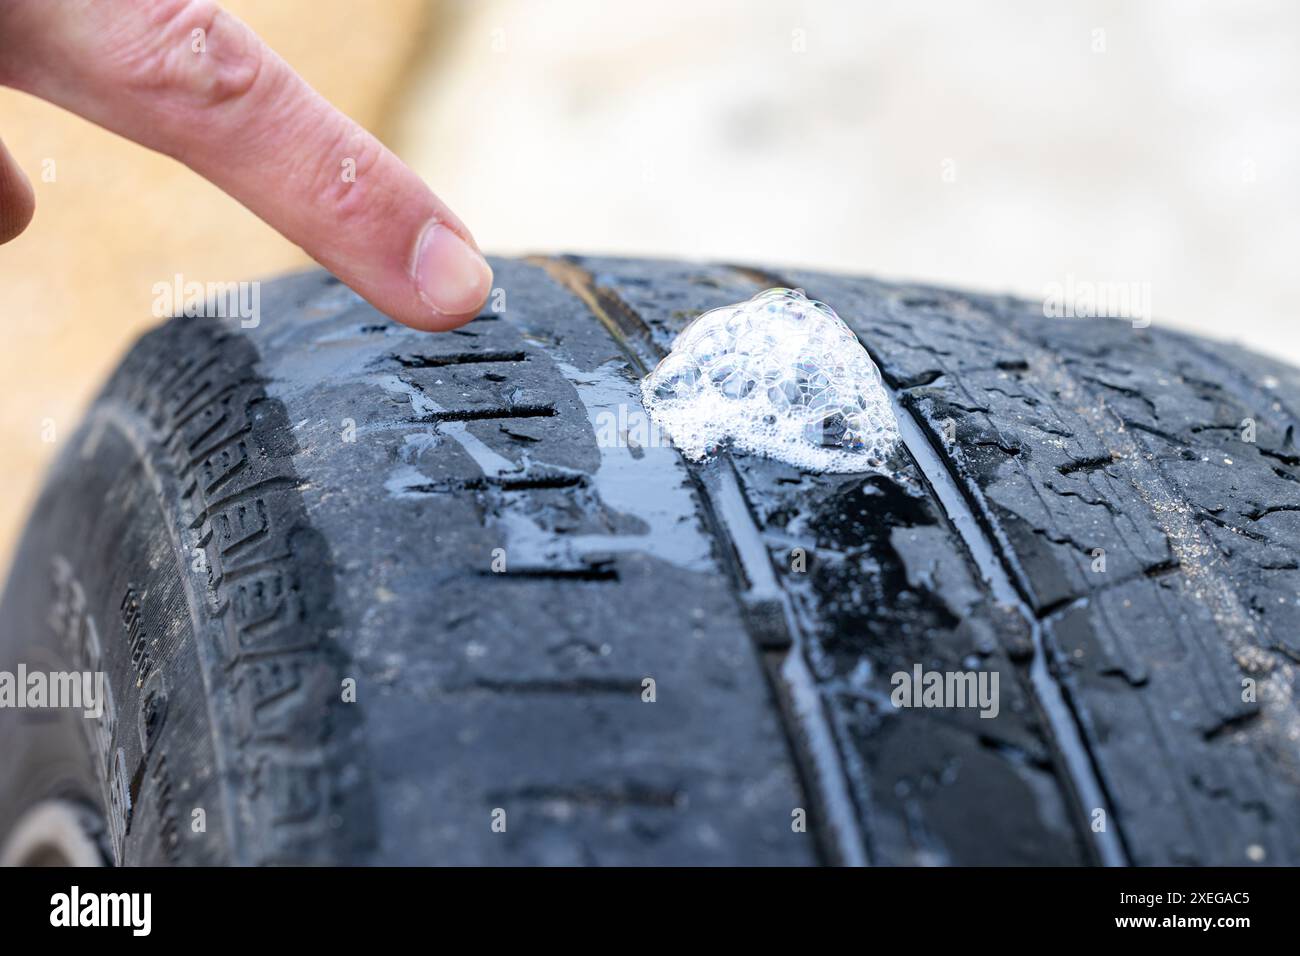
[(366, 595)]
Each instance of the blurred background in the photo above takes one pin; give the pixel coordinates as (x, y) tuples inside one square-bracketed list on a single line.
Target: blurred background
[(1004, 146)]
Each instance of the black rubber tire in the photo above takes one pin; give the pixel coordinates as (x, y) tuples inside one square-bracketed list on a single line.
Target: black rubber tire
[(250, 523)]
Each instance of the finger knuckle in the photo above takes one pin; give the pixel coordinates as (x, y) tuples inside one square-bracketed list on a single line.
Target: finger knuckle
[(193, 55)]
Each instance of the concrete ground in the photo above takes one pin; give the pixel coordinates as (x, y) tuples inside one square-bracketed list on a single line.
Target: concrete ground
[(1003, 145)]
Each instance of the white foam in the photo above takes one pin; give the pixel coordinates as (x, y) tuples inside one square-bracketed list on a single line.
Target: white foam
[(780, 375)]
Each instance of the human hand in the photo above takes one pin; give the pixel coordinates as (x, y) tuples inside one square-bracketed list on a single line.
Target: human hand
[(188, 79)]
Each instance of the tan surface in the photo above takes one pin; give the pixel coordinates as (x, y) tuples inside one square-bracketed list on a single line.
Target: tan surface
[(77, 285)]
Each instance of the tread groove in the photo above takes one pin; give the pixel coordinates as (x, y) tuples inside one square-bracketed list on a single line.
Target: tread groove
[(1078, 762), (840, 836)]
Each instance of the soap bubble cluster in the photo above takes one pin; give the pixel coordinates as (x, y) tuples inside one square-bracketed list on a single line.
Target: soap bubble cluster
[(780, 375)]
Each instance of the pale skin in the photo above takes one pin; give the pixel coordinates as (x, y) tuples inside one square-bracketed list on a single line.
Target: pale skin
[(239, 116)]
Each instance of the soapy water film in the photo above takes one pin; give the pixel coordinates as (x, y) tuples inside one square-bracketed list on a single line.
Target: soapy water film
[(781, 376)]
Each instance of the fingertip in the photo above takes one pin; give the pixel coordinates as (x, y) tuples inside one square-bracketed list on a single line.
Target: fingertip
[(17, 199), (451, 277)]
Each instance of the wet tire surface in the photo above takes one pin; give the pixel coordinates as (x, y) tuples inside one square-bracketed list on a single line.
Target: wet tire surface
[(368, 595)]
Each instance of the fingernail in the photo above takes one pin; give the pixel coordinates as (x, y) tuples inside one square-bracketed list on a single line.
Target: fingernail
[(451, 276)]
